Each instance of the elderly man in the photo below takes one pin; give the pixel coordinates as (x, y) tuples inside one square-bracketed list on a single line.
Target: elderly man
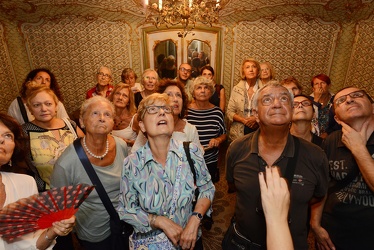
[(103, 86), (303, 164), (347, 213)]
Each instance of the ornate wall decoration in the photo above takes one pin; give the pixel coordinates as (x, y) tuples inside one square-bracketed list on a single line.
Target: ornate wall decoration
[(294, 45), (361, 65), (74, 47), (7, 78)]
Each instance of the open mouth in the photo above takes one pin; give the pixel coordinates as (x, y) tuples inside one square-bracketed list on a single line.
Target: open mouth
[(162, 122)]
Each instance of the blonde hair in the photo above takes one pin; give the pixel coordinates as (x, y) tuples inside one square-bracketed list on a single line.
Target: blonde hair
[(242, 75), (34, 90), (201, 80), (149, 100), (131, 104)]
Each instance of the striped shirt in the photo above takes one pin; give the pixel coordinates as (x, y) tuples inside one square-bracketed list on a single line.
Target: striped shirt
[(209, 124)]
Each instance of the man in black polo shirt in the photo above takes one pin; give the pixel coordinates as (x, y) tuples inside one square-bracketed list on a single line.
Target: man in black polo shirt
[(273, 145), (348, 210)]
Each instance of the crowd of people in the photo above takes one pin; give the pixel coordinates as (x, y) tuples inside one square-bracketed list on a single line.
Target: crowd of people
[(297, 162)]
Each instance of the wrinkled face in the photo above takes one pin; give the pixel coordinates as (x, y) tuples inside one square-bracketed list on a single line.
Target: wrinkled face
[(175, 96), (158, 120), (43, 107), (293, 87), (320, 86), (352, 103), (104, 76), (6, 144), (150, 81), (121, 98), (184, 71), (202, 92), (130, 79), (250, 70), (207, 74), (265, 71), (274, 107), (43, 78), (98, 118), (303, 109)]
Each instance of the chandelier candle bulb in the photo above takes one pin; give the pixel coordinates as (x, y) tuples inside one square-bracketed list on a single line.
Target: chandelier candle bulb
[(160, 4)]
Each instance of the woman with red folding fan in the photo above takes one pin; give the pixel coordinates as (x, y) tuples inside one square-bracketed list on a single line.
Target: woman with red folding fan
[(16, 186)]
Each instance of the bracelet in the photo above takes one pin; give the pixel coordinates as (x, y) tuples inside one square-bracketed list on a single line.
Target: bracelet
[(46, 237), (153, 219)]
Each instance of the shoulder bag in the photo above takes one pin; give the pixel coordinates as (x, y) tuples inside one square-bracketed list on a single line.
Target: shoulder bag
[(120, 230)]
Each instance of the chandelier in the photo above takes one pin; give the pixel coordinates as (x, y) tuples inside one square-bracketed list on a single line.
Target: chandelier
[(182, 12)]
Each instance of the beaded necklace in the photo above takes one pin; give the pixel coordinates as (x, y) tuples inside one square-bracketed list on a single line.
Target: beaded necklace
[(92, 154)]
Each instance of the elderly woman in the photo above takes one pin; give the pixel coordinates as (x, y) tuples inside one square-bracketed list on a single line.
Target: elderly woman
[(106, 154), (267, 73), (49, 135), (149, 82), (157, 187), (183, 130), (103, 86), (303, 113), (125, 124), (42, 76), (129, 77), (238, 109), (218, 98), (322, 96), (209, 121), (17, 186)]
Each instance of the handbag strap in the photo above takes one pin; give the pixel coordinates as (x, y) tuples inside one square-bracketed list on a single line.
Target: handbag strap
[(291, 166), (72, 130), (95, 180), (22, 109), (186, 146)]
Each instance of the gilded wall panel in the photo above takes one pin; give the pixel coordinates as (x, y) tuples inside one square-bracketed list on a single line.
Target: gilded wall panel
[(361, 66), (7, 78), (73, 47), (294, 45)]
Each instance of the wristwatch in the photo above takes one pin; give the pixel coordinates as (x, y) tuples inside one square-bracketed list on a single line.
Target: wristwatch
[(198, 215)]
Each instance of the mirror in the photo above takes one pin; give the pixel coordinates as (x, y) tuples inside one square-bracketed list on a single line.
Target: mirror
[(198, 56), (165, 59)]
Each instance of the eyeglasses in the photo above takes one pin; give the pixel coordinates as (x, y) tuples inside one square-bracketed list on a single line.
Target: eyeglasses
[(185, 70), (304, 103), (104, 75), (268, 100), (156, 109), (353, 95)]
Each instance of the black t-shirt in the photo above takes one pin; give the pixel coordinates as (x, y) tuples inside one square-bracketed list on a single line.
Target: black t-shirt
[(310, 180), (348, 214)]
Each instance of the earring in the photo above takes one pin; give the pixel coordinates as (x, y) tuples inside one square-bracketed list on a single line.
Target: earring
[(10, 163)]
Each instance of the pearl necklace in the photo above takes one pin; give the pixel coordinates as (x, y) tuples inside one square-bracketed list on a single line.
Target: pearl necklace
[(92, 154)]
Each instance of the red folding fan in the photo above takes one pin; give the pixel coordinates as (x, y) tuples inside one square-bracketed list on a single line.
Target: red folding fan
[(39, 211)]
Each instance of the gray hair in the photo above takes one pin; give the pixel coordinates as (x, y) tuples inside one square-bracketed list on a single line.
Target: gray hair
[(146, 71), (201, 80), (95, 99), (271, 84)]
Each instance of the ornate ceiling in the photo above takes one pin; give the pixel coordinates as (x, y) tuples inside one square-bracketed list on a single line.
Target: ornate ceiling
[(330, 10)]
